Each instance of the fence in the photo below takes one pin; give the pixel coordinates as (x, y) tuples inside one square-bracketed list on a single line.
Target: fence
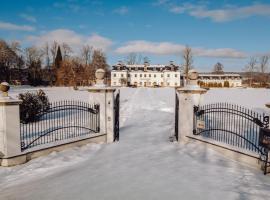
[(61, 121), (230, 124)]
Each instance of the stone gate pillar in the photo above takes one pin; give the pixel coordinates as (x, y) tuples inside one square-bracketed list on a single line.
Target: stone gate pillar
[(189, 96), (104, 96), (10, 140)]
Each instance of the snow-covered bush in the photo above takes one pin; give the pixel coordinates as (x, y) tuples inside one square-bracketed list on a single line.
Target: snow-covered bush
[(32, 106)]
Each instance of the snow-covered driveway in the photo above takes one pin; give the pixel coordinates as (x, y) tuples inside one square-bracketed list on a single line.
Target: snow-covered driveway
[(143, 165)]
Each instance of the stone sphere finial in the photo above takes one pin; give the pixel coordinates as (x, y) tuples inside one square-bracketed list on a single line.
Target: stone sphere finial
[(100, 74), (4, 87), (193, 74)]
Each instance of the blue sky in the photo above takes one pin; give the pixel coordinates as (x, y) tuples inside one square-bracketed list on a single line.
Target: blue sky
[(223, 31)]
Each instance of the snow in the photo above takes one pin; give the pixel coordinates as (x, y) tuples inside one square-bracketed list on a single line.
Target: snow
[(252, 98), (143, 164)]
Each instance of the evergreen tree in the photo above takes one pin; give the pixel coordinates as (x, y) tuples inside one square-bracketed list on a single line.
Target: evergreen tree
[(58, 58)]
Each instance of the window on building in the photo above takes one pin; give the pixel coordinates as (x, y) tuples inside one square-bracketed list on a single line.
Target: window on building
[(135, 75), (168, 75), (149, 75), (141, 83), (144, 75), (122, 75), (155, 76), (140, 75), (114, 83), (161, 75), (114, 75), (175, 75), (175, 84), (128, 75), (168, 84)]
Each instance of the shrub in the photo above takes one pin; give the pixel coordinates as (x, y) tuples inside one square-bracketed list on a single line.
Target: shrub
[(226, 84), (32, 106)]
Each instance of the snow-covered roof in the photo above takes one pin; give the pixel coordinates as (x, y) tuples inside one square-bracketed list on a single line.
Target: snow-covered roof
[(153, 65), (218, 75)]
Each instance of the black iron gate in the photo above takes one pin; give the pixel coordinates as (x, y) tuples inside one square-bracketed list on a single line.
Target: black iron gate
[(60, 121), (231, 124), (116, 116), (176, 117)]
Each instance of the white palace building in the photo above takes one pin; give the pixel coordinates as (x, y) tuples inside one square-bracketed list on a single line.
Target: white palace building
[(145, 75), (148, 75), (233, 79)]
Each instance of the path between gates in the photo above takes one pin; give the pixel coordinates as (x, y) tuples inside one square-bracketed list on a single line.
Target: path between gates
[(144, 164)]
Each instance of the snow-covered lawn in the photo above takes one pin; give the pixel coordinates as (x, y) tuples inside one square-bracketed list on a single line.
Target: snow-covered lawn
[(143, 164), (250, 97)]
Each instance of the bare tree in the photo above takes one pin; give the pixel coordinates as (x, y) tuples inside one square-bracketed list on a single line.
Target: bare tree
[(99, 60), (131, 59), (264, 64), (134, 58), (251, 68), (33, 54), (16, 47), (46, 53), (146, 59), (263, 68), (71, 73), (188, 60), (9, 60), (67, 50), (33, 57), (218, 68), (86, 53), (53, 50)]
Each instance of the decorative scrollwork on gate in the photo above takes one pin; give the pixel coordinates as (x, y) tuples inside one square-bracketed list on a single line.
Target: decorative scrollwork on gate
[(63, 120), (230, 124)]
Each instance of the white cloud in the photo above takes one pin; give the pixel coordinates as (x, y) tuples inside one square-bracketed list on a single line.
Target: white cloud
[(221, 14), (160, 2), (177, 9), (167, 48), (219, 53), (99, 42), (15, 27), (121, 11), (75, 40), (141, 46), (28, 17), (68, 6), (228, 14)]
